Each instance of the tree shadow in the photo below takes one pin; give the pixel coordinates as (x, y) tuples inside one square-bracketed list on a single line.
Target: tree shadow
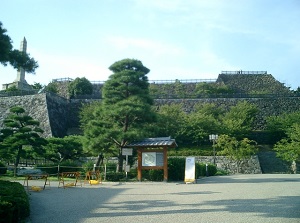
[(253, 179), (78, 204)]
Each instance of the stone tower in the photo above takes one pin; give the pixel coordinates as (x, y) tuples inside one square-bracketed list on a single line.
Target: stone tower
[(20, 81), (21, 71)]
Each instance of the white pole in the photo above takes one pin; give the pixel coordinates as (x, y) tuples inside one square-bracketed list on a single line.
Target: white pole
[(126, 165)]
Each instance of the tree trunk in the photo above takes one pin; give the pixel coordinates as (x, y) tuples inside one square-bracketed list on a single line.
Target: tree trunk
[(17, 160), (99, 161), (120, 161)]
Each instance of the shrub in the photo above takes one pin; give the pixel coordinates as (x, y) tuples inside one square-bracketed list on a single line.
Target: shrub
[(80, 86), (3, 168), (176, 169), (69, 166), (14, 202), (201, 169), (204, 150), (153, 175), (113, 176), (88, 166), (48, 168)]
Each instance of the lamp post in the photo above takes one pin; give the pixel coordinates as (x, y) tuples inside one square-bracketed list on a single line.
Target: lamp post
[(213, 138)]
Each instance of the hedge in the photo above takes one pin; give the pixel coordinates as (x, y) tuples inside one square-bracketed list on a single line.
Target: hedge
[(14, 202), (3, 168)]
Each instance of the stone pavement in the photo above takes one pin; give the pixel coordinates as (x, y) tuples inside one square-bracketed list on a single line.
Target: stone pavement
[(236, 198)]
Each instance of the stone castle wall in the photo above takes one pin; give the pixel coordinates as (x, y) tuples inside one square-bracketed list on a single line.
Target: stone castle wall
[(58, 114), (49, 109), (267, 106), (247, 166), (34, 105)]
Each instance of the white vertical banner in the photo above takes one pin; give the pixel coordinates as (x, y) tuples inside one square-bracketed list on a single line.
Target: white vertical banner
[(189, 170)]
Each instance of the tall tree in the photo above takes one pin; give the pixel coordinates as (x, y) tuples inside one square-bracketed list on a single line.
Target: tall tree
[(279, 125), (61, 149), (126, 110), (170, 121), (20, 130), (288, 148), (15, 58), (236, 149), (80, 86), (238, 121), (203, 121)]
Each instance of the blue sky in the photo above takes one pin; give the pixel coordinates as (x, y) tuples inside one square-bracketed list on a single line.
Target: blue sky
[(175, 39)]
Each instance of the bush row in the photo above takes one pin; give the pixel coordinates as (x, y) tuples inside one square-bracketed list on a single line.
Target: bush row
[(3, 168), (176, 172), (14, 202)]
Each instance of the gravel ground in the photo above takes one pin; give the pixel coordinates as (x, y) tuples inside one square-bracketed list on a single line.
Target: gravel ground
[(236, 198)]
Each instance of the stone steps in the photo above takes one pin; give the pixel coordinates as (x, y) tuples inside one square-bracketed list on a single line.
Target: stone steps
[(271, 164)]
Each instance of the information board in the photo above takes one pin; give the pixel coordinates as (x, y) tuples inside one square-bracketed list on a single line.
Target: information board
[(159, 159), (127, 151), (152, 159)]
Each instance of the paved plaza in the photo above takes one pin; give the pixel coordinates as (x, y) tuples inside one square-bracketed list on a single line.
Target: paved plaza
[(236, 198)]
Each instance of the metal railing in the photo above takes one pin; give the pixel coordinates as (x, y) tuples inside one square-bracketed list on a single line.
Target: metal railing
[(62, 79), (244, 72), (67, 79), (186, 81)]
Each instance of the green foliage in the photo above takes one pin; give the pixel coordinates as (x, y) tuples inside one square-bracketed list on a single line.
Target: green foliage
[(194, 128), (70, 166), (20, 59), (115, 176), (88, 166), (238, 121), (14, 202), (204, 150), (80, 86), (201, 170), (170, 122), (59, 149), (125, 113), (12, 89), (176, 169), (279, 125), (190, 90), (3, 168), (5, 46), (37, 86), (20, 130), (221, 172), (52, 87), (288, 148), (153, 175), (48, 168), (237, 150), (15, 58), (201, 122), (204, 88)]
